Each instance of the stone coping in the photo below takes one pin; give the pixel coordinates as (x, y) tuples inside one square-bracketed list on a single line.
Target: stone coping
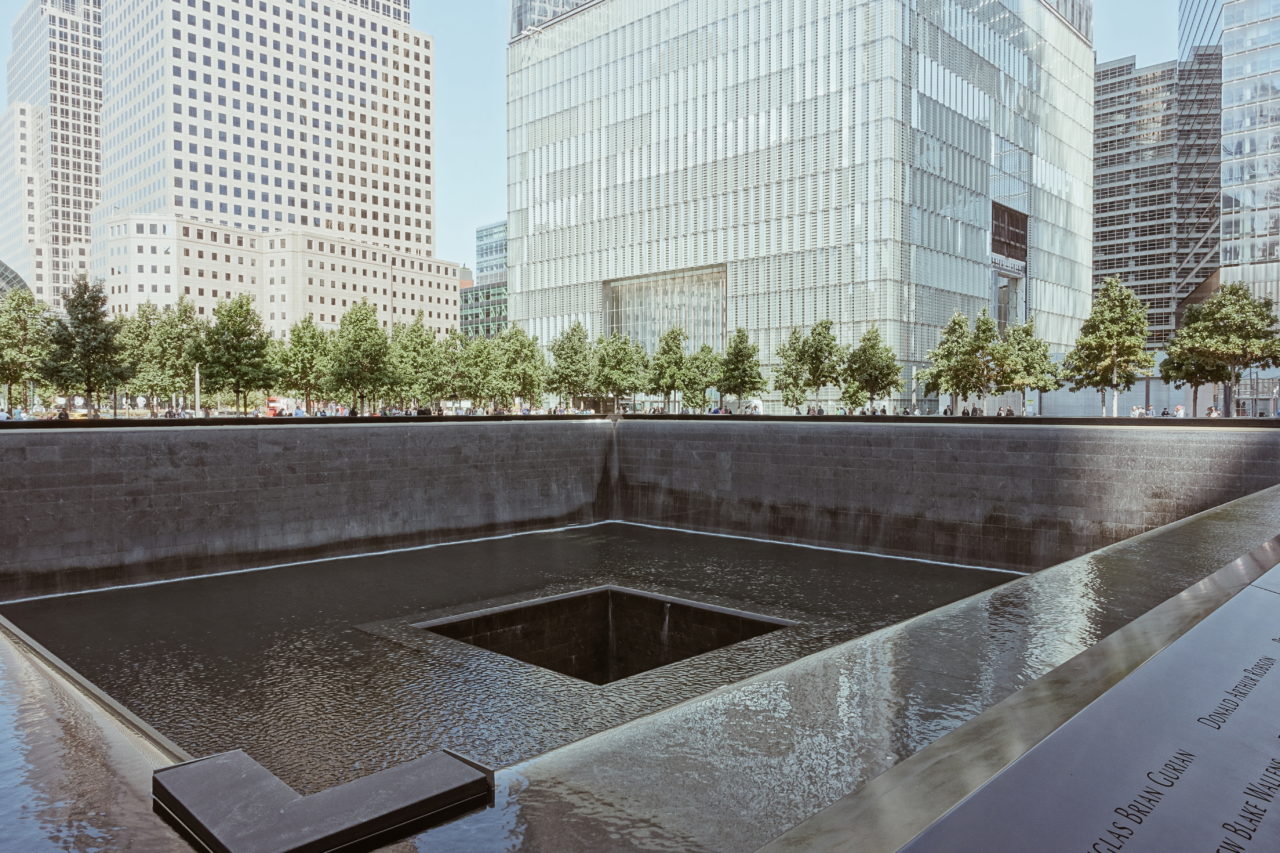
[(734, 769), (906, 800)]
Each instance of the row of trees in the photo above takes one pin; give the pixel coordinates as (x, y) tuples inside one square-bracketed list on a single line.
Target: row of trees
[(1219, 339), (157, 353)]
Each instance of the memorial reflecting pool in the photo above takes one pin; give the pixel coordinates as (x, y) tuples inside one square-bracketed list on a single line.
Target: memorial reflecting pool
[(332, 670)]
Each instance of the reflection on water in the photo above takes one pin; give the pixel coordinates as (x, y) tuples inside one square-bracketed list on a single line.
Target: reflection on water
[(314, 671), (67, 785)]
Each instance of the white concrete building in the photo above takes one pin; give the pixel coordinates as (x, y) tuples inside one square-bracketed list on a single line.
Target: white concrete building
[(49, 143), (274, 127), (772, 163)]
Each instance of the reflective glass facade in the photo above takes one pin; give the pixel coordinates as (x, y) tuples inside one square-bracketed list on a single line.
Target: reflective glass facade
[(484, 304), (526, 14), (838, 158), (1251, 144)]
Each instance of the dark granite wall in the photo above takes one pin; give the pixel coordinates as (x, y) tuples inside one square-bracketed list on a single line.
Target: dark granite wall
[(88, 508), (83, 508), (1020, 496)]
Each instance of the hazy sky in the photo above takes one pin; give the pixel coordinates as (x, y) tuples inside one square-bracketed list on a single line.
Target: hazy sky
[(470, 88)]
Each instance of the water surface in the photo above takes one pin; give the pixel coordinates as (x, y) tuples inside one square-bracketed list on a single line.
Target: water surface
[(317, 670)]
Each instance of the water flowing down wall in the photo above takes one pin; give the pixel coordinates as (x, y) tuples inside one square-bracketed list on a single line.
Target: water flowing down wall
[(85, 508)]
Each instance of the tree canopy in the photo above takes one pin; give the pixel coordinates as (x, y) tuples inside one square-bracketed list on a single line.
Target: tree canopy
[(667, 367), (869, 371), (572, 369), (358, 355), (24, 342), (1110, 353), (791, 379), (740, 374), (84, 354)]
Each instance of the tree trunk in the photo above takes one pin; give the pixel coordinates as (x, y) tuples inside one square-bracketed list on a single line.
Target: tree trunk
[(1103, 394), (1195, 400), (1229, 398), (1115, 402)]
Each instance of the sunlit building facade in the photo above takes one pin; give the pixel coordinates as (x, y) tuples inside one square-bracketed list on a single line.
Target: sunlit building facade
[(49, 153), (767, 164), (303, 125), (1251, 145)]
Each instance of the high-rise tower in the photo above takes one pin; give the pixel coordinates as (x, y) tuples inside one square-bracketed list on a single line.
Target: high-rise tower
[(283, 150), (765, 165), (49, 153), (1155, 179)]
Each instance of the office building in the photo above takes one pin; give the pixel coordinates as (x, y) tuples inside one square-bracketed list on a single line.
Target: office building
[(1155, 180), (49, 153), (716, 164), (484, 304), (300, 134)]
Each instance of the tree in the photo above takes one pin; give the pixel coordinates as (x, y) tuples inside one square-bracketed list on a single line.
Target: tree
[(300, 363), (139, 348), (870, 371), (84, 354), (449, 349), (573, 365), (357, 362), (478, 377), (701, 372), (953, 366), (435, 373), (1111, 350), (411, 352), (522, 365), (237, 354), (1232, 329), (820, 355), (790, 378), (179, 344), (740, 369), (985, 354), (1025, 363), (1185, 365), (621, 365), (24, 342), (666, 369)]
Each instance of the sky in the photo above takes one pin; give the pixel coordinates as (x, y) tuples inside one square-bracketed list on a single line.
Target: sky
[(470, 90)]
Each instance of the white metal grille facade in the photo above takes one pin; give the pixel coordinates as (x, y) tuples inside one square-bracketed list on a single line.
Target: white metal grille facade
[(837, 158)]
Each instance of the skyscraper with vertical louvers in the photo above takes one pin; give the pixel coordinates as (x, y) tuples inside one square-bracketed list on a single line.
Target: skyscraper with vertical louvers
[(717, 164), (49, 153)]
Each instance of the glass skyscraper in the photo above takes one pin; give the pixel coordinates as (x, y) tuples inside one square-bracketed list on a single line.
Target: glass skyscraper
[(767, 164), (1251, 144), (484, 304)]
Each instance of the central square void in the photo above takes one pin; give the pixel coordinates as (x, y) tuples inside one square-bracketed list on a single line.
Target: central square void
[(605, 634)]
